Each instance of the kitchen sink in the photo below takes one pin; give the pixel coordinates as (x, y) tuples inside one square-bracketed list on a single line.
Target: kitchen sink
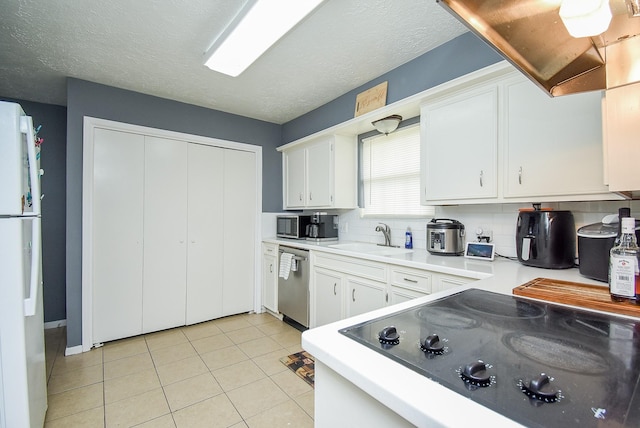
[(373, 249)]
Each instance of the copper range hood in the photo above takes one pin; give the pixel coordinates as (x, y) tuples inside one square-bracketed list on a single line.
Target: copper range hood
[(531, 35)]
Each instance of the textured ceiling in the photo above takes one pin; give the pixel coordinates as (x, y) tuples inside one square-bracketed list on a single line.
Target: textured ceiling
[(156, 47)]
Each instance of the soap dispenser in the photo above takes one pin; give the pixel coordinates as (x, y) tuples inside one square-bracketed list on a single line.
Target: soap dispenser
[(408, 241)]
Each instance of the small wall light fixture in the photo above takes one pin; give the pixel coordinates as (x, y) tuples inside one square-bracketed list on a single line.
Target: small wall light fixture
[(387, 124)]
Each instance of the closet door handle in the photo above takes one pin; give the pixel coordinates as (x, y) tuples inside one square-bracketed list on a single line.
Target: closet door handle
[(481, 176), (353, 294), (334, 289)]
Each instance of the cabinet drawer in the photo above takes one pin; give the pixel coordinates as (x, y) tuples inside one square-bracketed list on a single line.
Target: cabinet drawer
[(353, 266), (412, 279), (270, 249)]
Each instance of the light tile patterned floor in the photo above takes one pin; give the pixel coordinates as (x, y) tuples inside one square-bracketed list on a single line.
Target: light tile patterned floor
[(222, 373)]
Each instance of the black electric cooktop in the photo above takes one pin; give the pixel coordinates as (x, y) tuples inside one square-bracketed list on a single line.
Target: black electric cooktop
[(540, 364)]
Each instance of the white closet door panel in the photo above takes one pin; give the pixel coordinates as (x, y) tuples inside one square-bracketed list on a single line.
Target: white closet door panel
[(205, 245), (239, 231), (117, 234), (165, 234)]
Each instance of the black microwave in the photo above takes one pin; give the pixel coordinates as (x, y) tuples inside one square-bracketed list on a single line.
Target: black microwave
[(292, 226)]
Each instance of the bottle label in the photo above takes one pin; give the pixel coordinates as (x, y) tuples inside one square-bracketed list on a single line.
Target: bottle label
[(623, 275)]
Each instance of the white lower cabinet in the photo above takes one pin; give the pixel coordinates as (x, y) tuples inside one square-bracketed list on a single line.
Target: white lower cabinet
[(328, 297), (347, 286), (365, 295), (270, 277)]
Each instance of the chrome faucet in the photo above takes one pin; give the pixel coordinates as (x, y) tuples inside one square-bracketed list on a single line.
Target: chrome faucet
[(386, 232)]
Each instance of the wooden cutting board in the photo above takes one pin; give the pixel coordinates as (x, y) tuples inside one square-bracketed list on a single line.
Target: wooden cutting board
[(575, 294)]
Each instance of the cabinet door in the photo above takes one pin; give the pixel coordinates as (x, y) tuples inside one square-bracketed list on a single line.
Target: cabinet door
[(554, 145), (459, 146), (165, 234), (328, 296), (117, 235), (622, 130), (239, 231), (204, 245), (364, 296), (319, 167), (294, 178), (269, 282)]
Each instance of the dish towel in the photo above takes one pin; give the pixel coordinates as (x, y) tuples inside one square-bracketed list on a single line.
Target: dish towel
[(285, 265)]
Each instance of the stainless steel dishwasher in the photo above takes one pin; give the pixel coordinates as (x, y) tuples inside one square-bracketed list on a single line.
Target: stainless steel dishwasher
[(293, 291)]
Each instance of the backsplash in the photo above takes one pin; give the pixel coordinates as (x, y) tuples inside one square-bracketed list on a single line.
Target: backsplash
[(498, 219)]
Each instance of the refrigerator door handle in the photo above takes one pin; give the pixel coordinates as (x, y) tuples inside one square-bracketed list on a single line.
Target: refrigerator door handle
[(31, 302), (26, 127)]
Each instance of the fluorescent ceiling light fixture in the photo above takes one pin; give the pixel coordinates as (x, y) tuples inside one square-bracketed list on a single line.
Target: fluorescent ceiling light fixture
[(585, 18), (259, 25)]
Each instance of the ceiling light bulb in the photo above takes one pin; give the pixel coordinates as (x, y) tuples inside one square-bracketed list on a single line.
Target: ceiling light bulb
[(585, 18), (259, 25)]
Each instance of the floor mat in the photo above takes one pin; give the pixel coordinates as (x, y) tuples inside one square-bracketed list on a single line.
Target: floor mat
[(301, 363)]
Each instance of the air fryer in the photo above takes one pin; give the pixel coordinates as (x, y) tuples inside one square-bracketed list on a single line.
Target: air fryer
[(546, 239)]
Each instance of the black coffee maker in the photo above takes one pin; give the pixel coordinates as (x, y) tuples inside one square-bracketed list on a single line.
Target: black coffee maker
[(323, 227), (546, 238)]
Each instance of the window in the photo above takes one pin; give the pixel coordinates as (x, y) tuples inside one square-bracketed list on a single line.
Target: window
[(391, 175)]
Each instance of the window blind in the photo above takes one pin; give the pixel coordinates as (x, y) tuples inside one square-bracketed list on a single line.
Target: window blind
[(391, 175)]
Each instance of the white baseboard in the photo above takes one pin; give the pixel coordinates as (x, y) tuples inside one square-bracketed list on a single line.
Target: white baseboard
[(73, 350), (55, 324)]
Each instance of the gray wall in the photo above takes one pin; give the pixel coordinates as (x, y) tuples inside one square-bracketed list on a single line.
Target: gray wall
[(53, 160), (91, 99), (455, 58)]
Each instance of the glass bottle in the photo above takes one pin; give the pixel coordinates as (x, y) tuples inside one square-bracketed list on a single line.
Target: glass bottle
[(622, 213), (624, 281)]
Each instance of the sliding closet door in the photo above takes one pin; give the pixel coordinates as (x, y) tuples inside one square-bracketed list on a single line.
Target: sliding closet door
[(239, 231), (205, 247), (117, 241), (165, 234)]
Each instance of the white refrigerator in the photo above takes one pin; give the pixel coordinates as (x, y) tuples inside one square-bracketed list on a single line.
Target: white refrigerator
[(23, 389)]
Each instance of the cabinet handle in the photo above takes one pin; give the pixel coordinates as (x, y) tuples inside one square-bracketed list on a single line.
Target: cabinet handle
[(300, 196), (271, 268), (520, 176), (386, 297), (410, 280), (481, 176), (334, 289), (353, 294), (310, 196)]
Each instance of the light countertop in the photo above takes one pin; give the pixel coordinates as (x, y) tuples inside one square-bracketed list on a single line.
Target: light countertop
[(434, 405)]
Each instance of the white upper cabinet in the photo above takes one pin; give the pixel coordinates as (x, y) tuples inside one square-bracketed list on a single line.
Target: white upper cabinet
[(622, 127), (553, 145), (294, 173), (459, 146), (500, 139), (320, 174)]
